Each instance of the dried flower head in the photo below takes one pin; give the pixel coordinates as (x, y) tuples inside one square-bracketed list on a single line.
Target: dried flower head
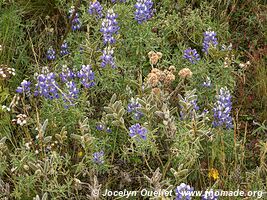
[(21, 119), (185, 73), (172, 69), (169, 78), (154, 57), (156, 91), (152, 79), (6, 72)]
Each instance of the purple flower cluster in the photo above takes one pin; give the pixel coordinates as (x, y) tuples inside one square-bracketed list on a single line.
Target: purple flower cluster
[(186, 106), (66, 74), (76, 23), (46, 86), (95, 8), (98, 157), (144, 10), (107, 57), (64, 49), (24, 88), (51, 54), (183, 191), (87, 76), (73, 91), (137, 129), (133, 108), (209, 40), (101, 127), (222, 109), (109, 27), (207, 83), (209, 195), (191, 55)]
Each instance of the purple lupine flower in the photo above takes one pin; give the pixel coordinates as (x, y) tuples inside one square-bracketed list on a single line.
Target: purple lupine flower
[(133, 108), (109, 27), (191, 55), (46, 86), (222, 109), (209, 40), (209, 195), (108, 130), (76, 22), (51, 54), (73, 91), (137, 129), (64, 49), (87, 76), (98, 157), (186, 106), (95, 8), (107, 57), (100, 127), (183, 191), (144, 10), (24, 88), (207, 83), (66, 74)]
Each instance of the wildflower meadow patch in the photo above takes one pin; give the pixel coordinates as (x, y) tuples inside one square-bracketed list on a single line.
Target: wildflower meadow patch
[(132, 99)]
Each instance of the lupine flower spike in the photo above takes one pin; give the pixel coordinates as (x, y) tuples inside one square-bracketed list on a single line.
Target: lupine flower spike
[(87, 76), (95, 8), (24, 88), (207, 83), (183, 192), (64, 49), (109, 27), (144, 10), (137, 129), (46, 86), (222, 109), (98, 157), (209, 40), (66, 74), (107, 57), (191, 55), (51, 54), (133, 108), (76, 23)]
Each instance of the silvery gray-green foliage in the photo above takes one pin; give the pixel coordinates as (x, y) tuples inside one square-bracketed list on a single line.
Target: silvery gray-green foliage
[(4, 190), (115, 112), (169, 120), (3, 155), (44, 197)]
